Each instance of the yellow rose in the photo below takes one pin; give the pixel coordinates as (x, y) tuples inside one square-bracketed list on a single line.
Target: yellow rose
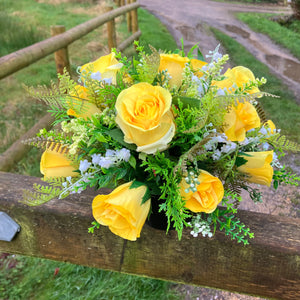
[(239, 76), (239, 120), (209, 193), (55, 164), (79, 102), (197, 65), (258, 167), (122, 210), (144, 115), (105, 67), (174, 64)]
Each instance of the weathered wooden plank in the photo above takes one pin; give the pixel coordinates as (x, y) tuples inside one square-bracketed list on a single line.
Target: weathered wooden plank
[(18, 149), (268, 267), (24, 57)]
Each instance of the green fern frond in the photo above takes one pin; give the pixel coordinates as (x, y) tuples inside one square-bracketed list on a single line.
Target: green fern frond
[(191, 155), (66, 84), (45, 143), (150, 64), (40, 195), (51, 96), (281, 142), (261, 113)]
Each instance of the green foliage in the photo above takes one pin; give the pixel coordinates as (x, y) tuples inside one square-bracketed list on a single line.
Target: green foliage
[(225, 219), (283, 176), (148, 64), (44, 193), (281, 142), (160, 170)]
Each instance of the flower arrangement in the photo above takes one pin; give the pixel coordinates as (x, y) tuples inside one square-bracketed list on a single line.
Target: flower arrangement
[(166, 129)]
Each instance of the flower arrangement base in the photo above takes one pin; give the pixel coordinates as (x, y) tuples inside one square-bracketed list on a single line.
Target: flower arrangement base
[(156, 219)]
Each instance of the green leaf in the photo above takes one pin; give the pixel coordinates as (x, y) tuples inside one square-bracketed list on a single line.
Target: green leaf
[(200, 55), (118, 136), (187, 101), (240, 161), (132, 161)]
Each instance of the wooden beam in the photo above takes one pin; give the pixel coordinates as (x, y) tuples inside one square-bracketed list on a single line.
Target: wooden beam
[(25, 57), (18, 149), (268, 267), (135, 36)]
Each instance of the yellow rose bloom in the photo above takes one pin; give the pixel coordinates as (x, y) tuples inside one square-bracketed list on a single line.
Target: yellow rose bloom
[(258, 167), (144, 115), (209, 193), (122, 210), (239, 120), (79, 101), (239, 76), (174, 64), (196, 65), (108, 67), (55, 164)]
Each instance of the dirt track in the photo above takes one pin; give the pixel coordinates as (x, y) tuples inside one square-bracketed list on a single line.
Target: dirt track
[(191, 19)]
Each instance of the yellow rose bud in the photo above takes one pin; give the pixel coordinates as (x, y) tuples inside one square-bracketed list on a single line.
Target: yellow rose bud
[(239, 120), (79, 101), (258, 167), (209, 193), (108, 67), (239, 76), (55, 164), (144, 115), (197, 65), (122, 210), (174, 64)]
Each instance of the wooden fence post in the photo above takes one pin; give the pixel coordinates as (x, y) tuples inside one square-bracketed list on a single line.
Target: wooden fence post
[(122, 2), (111, 32), (61, 56), (134, 19), (129, 25)]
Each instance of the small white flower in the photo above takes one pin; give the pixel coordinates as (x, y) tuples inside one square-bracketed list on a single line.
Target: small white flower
[(110, 153), (105, 162), (123, 154), (96, 159), (84, 165), (96, 76)]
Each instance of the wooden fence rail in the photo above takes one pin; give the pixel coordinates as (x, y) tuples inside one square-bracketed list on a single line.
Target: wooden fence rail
[(24, 57), (57, 230)]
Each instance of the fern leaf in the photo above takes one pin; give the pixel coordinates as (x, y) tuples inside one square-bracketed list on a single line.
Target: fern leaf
[(280, 141), (45, 143)]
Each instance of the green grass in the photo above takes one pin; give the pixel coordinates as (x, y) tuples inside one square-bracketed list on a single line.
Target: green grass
[(34, 279), (283, 111), (286, 37)]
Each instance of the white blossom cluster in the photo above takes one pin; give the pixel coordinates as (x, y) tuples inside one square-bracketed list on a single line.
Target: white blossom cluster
[(192, 181), (200, 227), (88, 169), (111, 157), (213, 145)]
